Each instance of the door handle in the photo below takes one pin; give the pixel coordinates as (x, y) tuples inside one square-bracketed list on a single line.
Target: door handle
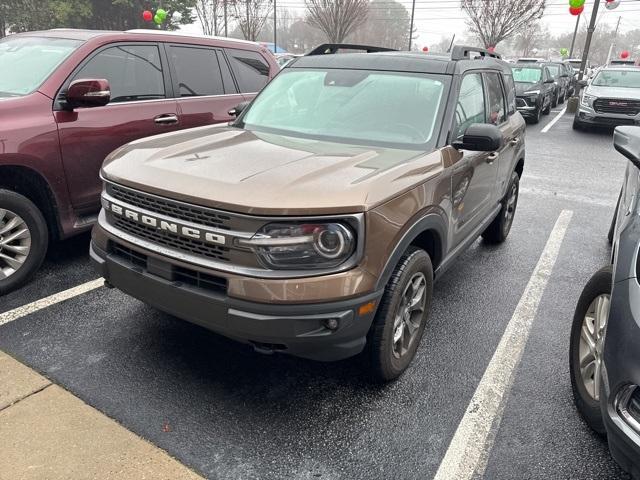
[(514, 141), (492, 156), (166, 119)]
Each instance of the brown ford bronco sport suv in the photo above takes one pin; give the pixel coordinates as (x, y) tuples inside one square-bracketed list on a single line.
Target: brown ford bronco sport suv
[(316, 223)]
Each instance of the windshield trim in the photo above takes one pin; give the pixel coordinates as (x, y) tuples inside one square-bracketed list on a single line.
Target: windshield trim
[(429, 145)]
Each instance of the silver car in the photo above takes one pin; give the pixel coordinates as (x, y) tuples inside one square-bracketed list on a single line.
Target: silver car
[(612, 98)]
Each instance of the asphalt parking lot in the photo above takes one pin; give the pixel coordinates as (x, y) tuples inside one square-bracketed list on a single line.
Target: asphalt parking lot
[(229, 413)]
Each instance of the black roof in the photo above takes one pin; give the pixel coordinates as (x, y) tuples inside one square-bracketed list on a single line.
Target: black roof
[(415, 62)]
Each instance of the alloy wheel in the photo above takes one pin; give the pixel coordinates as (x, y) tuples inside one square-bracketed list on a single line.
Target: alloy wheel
[(15, 243), (592, 343), (409, 314), (510, 210)]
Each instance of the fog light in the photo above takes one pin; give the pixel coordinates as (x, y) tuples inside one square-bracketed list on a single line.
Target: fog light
[(331, 323), (627, 404)]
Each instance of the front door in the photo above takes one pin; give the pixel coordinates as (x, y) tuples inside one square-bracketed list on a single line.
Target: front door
[(475, 174), (140, 106)]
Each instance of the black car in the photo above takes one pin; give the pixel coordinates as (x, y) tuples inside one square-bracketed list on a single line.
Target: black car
[(561, 81), (535, 90), (605, 335)]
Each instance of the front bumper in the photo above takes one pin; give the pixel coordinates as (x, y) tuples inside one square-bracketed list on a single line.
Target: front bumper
[(296, 329), (588, 116), (622, 369), (527, 105)]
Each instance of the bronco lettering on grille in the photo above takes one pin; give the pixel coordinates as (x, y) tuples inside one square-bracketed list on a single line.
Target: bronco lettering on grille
[(201, 234)]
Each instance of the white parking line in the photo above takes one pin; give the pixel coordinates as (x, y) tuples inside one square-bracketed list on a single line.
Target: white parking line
[(470, 446), (19, 312), (553, 122)]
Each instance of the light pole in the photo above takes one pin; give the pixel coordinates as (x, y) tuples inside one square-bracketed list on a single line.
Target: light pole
[(275, 28), (413, 11), (587, 43), (575, 32)]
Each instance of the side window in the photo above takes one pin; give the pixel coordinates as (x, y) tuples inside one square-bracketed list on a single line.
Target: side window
[(495, 97), (545, 74), (250, 68), (227, 79), (510, 87), (198, 71), (470, 107), (134, 72)]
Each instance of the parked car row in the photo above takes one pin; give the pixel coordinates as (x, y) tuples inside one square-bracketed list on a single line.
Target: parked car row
[(68, 98)]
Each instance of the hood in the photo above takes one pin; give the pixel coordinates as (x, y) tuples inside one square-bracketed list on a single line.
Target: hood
[(525, 87), (613, 92), (258, 173)]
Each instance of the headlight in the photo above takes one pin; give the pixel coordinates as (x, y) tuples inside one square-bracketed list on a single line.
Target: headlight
[(532, 92), (586, 100), (302, 245)]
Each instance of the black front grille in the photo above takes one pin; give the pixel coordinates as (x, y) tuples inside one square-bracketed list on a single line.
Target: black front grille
[(171, 240), (180, 211), (180, 275), (520, 102), (619, 106)]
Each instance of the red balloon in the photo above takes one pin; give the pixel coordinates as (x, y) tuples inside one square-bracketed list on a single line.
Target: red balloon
[(491, 49), (425, 49), (147, 16), (576, 10), (624, 54)]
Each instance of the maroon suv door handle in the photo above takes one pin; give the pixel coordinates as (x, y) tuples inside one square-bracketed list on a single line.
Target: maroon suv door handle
[(166, 119)]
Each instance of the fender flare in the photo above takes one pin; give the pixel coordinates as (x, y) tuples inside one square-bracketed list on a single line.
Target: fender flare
[(431, 221)]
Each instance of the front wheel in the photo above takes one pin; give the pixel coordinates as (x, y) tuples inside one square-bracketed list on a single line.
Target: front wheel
[(555, 100), (499, 229), (586, 346), (23, 240), (402, 316), (547, 110)]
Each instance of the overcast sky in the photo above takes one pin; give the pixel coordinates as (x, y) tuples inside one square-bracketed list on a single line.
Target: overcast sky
[(437, 18)]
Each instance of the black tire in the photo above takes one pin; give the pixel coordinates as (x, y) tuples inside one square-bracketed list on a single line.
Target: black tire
[(384, 366), (556, 97), (499, 229), (577, 124), (599, 284), (537, 115), (562, 97), (547, 110), (37, 226), (612, 228)]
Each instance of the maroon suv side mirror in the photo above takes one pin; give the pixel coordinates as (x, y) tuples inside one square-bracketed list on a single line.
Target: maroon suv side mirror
[(88, 93)]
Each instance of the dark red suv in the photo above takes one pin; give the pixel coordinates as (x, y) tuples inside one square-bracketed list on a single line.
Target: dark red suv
[(70, 97)]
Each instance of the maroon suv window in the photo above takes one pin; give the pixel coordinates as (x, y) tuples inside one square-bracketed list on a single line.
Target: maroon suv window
[(198, 71), (134, 72), (250, 68)]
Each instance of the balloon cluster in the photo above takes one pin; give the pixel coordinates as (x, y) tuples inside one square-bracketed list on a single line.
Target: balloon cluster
[(611, 4), (160, 16), (576, 7), (624, 54), (564, 52)]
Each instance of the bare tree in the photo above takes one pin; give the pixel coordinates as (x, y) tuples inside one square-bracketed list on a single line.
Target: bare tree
[(497, 20), (337, 18), (529, 38), (210, 14), (251, 16)]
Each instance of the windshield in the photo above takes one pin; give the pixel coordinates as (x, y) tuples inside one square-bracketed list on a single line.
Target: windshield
[(350, 106), (554, 70), (617, 78), (26, 62), (526, 75)]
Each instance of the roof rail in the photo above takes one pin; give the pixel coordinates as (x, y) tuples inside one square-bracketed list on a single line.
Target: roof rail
[(331, 48), (462, 52)]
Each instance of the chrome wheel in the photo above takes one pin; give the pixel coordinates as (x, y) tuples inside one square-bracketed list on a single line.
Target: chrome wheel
[(510, 207), (591, 344), (409, 314), (15, 243)]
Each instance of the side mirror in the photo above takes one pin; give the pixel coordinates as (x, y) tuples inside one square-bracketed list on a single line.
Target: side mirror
[(88, 93), (549, 80), (564, 75), (626, 140), (238, 109), (480, 137), (583, 83)]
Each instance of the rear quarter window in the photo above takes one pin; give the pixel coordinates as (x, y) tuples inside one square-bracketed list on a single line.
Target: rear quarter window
[(250, 69), (510, 88)]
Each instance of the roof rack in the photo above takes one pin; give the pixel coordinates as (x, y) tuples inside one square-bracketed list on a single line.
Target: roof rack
[(331, 48), (462, 52)]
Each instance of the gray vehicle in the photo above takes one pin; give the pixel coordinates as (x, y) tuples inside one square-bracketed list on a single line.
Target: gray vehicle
[(560, 81), (605, 335), (612, 98)]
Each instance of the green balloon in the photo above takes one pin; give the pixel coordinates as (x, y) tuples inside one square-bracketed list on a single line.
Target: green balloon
[(163, 13), (564, 51), (157, 20), (576, 3)]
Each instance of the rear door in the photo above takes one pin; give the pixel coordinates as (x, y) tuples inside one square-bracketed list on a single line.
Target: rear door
[(474, 176), (141, 105), (203, 83)]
